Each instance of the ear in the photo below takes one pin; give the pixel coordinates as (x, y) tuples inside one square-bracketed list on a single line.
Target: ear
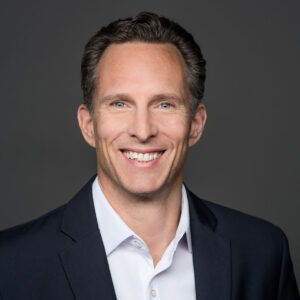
[(197, 124), (86, 125)]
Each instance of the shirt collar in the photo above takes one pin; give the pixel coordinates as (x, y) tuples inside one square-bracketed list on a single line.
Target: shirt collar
[(184, 222), (115, 231)]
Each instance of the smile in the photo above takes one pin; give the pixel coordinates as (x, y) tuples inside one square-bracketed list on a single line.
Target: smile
[(142, 157)]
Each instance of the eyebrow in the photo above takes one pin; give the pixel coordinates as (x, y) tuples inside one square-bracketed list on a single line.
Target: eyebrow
[(158, 97), (167, 96), (115, 97)]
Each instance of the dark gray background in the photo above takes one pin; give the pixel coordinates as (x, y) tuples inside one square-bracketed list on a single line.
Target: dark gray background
[(248, 158)]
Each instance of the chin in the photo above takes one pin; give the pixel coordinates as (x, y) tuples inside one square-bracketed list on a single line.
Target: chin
[(142, 188)]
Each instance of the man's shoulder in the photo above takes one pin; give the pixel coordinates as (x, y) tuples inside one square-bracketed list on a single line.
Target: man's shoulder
[(242, 229), (33, 234), (245, 230), (43, 230), (234, 218)]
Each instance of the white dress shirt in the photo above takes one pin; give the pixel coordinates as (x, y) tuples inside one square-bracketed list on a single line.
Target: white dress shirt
[(131, 265)]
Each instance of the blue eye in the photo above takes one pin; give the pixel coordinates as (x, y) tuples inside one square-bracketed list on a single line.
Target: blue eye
[(165, 105), (119, 104)]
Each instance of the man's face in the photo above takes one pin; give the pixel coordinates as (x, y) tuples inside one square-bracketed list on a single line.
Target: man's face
[(141, 127)]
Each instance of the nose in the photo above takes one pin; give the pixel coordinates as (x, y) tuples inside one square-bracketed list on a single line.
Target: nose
[(142, 126)]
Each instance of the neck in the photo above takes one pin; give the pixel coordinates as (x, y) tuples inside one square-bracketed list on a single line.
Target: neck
[(154, 218)]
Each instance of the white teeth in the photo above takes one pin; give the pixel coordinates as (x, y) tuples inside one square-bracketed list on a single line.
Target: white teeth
[(142, 157)]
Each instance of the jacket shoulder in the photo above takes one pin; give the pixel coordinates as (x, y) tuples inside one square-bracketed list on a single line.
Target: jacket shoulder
[(235, 221), (43, 234), (34, 233), (249, 234), (259, 249)]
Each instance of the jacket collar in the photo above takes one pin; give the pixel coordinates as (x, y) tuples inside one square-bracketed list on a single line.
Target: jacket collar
[(79, 219), (85, 262), (211, 253), (86, 266)]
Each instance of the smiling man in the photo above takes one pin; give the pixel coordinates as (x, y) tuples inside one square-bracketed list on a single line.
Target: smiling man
[(135, 231), (141, 128)]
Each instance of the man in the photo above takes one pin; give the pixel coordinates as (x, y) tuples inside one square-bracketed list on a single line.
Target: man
[(135, 231)]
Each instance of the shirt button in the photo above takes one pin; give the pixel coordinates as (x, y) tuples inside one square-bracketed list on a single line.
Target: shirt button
[(138, 244), (153, 293)]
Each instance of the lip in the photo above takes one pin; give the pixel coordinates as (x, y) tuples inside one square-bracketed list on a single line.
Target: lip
[(143, 165), (142, 150)]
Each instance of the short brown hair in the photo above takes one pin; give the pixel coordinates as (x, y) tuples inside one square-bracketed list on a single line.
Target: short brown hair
[(150, 28)]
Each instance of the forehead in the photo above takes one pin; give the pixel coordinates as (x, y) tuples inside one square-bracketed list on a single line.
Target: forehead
[(141, 66)]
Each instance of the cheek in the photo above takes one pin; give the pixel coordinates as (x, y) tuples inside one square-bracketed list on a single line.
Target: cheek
[(177, 129), (105, 136), (106, 132), (108, 128)]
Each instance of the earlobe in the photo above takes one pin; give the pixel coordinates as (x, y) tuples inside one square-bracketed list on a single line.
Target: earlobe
[(86, 125), (197, 125)]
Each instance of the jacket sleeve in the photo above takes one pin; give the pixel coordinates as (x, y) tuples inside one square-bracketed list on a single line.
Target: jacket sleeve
[(287, 283)]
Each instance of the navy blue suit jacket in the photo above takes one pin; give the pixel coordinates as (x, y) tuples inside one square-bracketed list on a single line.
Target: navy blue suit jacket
[(60, 256)]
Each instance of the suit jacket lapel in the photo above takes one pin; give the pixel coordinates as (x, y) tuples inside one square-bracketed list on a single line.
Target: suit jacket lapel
[(211, 253), (85, 261)]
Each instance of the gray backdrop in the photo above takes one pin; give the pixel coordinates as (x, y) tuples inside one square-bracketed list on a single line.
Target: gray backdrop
[(248, 158)]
